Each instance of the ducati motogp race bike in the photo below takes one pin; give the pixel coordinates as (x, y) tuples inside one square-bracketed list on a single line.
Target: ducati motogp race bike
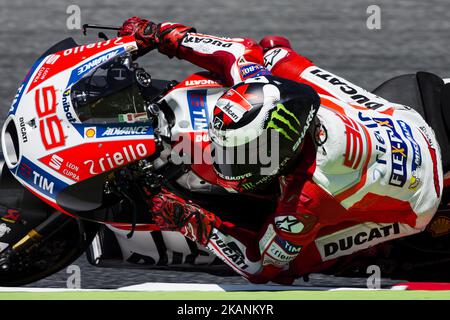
[(76, 177)]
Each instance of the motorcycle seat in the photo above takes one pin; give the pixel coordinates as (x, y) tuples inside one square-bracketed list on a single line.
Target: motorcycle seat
[(427, 94)]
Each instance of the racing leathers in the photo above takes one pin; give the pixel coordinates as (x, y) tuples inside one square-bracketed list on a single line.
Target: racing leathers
[(370, 170)]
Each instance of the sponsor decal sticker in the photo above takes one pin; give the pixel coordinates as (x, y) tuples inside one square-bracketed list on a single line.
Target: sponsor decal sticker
[(354, 144), (311, 114), (11, 215), (288, 246), (229, 249), (289, 224), (50, 127), (23, 130), (285, 122), (253, 70), (398, 148), (202, 83), (90, 132), (320, 134), (197, 39), (268, 236), (439, 226), (416, 153), (414, 182), (39, 179), (92, 158), (17, 97), (91, 64), (273, 56), (218, 123), (67, 107), (4, 229), (276, 250), (198, 109), (126, 154), (328, 80), (61, 61), (124, 131), (355, 238), (279, 255)]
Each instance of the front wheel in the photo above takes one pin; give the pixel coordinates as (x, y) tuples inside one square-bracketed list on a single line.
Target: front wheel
[(49, 256)]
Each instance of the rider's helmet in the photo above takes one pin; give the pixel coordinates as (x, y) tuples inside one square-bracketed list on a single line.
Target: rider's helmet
[(258, 128)]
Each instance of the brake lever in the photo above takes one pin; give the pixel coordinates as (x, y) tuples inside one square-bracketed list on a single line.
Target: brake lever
[(103, 36), (98, 26)]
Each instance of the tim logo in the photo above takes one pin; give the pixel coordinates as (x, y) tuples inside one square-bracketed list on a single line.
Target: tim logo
[(38, 180), (354, 146), (197, 107)]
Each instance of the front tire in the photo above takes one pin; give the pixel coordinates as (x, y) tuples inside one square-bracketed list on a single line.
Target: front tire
[(49, 256)]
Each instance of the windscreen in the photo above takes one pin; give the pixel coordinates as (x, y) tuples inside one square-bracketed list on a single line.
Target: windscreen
[(108, 93)]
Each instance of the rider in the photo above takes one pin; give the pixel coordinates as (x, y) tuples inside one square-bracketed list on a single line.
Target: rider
[(354, 169)]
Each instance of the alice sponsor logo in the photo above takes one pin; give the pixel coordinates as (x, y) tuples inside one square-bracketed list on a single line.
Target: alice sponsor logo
[(111, 161)]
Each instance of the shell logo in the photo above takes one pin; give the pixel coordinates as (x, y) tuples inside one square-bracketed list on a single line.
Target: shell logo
[(439, 226), (89, 132)]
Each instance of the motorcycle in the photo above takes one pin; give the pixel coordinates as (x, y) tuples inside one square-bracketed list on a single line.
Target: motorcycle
[(90, 137)]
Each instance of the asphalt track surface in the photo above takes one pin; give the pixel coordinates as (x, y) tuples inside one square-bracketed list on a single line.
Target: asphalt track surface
[(414, 36)]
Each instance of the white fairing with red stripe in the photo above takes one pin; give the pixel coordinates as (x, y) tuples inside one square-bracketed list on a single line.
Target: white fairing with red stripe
[(55, 149), (192, 102)]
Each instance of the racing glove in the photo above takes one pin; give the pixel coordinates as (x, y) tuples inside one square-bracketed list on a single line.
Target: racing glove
[(166, 37), (171, 213), (270, 42)]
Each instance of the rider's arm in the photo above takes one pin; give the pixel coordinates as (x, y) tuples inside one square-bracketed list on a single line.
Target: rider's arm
[(236, 246), (282, 61), (234, 60)]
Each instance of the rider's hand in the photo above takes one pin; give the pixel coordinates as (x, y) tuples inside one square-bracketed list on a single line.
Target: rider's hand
[(171, 213), (149, 35), (145, 32)]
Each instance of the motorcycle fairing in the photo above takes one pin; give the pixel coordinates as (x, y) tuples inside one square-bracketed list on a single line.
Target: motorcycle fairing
[(46, 146), (192, 101)]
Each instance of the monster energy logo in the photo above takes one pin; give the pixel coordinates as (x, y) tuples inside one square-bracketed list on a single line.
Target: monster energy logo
[(279, 122), (248, 186)]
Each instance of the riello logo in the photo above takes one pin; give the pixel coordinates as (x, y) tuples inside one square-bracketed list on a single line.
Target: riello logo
[(50, 127), (116, 159)]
